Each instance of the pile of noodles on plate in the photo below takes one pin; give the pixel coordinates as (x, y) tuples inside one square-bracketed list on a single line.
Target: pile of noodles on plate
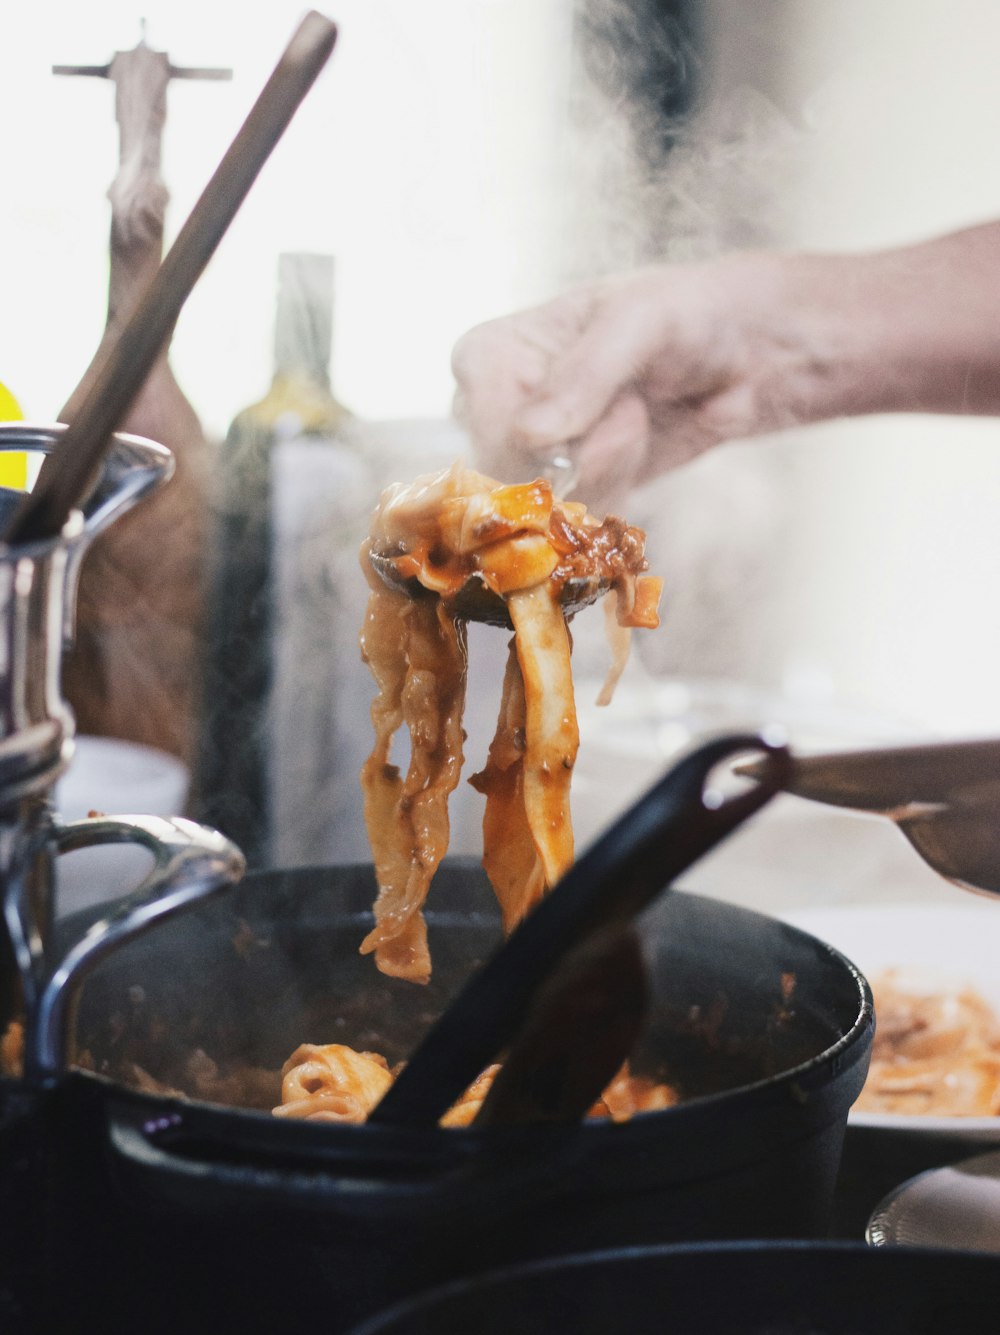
[(936, 1051)]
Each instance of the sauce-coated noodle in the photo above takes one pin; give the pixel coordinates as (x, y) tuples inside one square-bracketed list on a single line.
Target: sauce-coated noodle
[(440, 532), (333, 1083), (936, 1052)]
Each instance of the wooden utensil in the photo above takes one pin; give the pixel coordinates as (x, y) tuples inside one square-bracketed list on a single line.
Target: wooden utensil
[(69, 471)]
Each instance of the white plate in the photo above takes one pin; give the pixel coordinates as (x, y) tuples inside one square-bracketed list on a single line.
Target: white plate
[(935, 947)]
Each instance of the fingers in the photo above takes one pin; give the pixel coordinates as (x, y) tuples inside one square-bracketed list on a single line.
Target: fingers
[(613, 454), (583, 382), (497, 367), (585, 375)]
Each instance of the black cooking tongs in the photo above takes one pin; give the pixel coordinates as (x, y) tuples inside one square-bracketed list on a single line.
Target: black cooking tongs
[(563, 997)]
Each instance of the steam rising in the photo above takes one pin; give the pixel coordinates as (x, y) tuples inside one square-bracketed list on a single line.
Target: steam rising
[(658, 165), (662, 163), (665, 162)]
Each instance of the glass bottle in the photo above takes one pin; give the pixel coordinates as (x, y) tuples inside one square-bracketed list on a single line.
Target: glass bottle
[(293, 493)]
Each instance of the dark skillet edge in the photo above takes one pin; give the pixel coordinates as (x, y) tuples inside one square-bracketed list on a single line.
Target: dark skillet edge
[(811, 1263)]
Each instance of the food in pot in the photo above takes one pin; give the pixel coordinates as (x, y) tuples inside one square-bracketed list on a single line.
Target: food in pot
[(12, 1049), (936, 1053), (333, 1083), (439, 550)]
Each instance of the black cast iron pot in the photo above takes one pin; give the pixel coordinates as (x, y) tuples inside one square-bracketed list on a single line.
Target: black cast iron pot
[(751, 1288), (155, 1207)]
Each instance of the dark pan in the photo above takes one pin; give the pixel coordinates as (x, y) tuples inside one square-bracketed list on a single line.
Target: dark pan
[(749, 1289), (179, 1195)]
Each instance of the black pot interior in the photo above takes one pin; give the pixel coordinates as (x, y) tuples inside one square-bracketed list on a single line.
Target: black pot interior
[(248, 976)]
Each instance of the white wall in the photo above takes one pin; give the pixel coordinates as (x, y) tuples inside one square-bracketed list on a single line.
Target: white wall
[(888, 590), (422, 160), (428, 159)]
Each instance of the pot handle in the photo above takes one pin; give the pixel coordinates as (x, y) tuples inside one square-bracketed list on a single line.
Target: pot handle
[(136, 468), (169, 1159), (191, 863)]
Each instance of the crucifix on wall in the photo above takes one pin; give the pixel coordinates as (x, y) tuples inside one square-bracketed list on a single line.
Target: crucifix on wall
[(135, 670)]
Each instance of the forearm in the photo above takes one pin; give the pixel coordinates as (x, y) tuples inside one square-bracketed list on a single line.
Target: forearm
[(910, 330), (638, 372)]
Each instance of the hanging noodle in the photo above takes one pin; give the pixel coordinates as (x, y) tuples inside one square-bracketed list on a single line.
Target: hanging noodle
[(418, 657), (524, 547), (510, 857)]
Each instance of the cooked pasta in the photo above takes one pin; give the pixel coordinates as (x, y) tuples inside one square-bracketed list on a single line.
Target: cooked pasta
[(936, 1053), (442, 532), (12, 1050), (418, 657), (333, 1083)]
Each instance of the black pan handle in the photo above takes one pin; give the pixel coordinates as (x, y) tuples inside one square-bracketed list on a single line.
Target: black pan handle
[(191, 862), (674, 824)]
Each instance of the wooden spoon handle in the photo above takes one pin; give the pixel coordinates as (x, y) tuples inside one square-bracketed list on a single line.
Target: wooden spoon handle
[(70, 471)]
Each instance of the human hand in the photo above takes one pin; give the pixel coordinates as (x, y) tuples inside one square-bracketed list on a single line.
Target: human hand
[(636, 373)]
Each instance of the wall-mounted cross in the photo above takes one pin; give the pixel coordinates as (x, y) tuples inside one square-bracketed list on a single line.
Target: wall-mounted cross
[(142, 56), (138, 193)]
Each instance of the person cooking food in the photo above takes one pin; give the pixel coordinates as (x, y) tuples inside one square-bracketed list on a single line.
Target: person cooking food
[(635, 373)]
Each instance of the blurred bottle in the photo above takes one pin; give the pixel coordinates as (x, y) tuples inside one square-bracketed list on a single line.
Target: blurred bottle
[(292, 492)]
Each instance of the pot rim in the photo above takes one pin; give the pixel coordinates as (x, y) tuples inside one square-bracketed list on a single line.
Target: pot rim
[(850, 1254), (791, 1087), (80, 525)]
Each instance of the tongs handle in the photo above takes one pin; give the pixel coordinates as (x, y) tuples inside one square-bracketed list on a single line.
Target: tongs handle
[(660, 837), (583, 1023)]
